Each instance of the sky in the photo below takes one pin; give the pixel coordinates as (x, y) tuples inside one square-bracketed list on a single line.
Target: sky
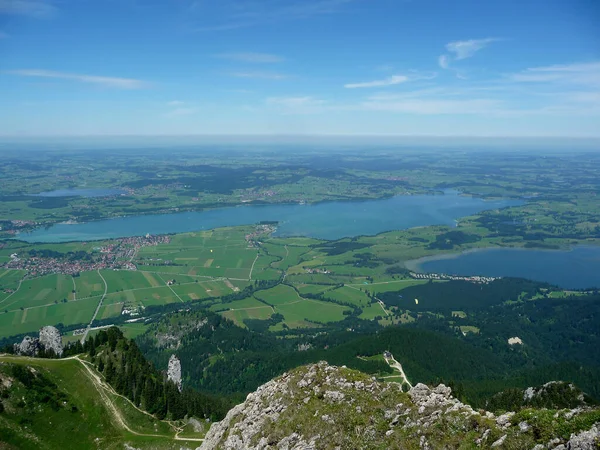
[(300, 67)]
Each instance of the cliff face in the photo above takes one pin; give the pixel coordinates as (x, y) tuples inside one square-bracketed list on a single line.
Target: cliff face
[(326, 407)]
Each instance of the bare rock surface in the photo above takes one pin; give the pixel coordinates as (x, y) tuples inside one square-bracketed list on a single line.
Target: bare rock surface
[(51, 339), (28, 347)]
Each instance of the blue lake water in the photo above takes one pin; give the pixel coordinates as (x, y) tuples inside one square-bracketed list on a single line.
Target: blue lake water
[(330, 220), (100, 192), (576, 268)]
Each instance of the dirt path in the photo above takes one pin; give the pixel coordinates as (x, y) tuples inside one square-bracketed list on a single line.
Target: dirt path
[(103, 388), (17, 290), (252, 268), (74, 290), (396, 365)]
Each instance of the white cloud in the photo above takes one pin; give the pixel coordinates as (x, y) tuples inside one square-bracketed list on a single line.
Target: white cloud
[(176, 103), (260, 75), (251, 57), (444, 61), (119, 83), (462, 50), (390, 81), (32, 8), (466, 49), (575, 74)]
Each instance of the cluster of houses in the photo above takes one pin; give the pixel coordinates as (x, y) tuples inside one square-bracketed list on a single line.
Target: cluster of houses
[(442, 276), (259, 230)]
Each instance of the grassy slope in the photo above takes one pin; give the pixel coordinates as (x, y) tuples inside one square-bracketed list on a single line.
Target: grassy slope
[(93, 425)]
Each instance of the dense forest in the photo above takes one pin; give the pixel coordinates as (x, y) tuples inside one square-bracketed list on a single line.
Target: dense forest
[(560, 341)]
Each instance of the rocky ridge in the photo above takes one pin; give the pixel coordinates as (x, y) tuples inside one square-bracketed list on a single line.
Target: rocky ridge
[(326, 407)]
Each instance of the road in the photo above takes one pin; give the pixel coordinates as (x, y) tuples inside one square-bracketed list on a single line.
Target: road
[(87, 330), (396, 365), (252, 268)]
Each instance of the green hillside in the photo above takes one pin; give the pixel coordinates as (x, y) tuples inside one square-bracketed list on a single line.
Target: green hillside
[(50, 403)]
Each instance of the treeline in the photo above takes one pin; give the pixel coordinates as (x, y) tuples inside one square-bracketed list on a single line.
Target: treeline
[(126, 369), (79, 255), (451, 239)]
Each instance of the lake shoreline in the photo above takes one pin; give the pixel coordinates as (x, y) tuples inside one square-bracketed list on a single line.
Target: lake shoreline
[(544, 265)]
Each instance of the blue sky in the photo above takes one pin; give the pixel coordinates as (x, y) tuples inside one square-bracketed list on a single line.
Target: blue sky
[(391, 67)]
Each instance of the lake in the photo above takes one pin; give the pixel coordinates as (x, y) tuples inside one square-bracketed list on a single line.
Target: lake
[(576, 268), (90, 193), (329, 220)]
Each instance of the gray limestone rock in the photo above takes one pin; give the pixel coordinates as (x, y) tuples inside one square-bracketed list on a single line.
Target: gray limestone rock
[(174, 371), (586, 440), (51, 339), (28, 347)]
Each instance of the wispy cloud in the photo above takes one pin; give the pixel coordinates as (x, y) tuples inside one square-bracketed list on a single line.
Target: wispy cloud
[(178, 112), (178, 108), (240, 14), (31, 8), (251, 57), (294, 101), (113, 82), (459, 50), (575, 74), (261, 75), (390, 81)]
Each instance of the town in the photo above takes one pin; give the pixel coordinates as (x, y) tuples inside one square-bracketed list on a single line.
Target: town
[(119, 254)]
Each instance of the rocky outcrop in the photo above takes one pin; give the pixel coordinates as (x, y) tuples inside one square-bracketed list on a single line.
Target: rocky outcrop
[(28, 347), (51, 339), (585, 440), (326, 407), (174, 371)]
